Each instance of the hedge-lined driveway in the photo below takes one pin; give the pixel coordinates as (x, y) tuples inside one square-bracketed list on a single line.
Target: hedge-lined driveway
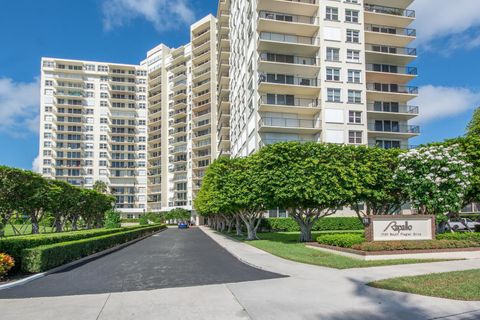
[(172, 258)]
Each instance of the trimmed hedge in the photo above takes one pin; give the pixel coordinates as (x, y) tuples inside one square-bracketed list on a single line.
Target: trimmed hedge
[(324, 224), (346, 240), (470, 236), (14, 245), (415, 245), (132, 220), (46, 257)]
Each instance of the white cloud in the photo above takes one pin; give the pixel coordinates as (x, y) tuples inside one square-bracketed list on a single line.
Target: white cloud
[(36, 164), (441, 102), (163, 14), (19, 107), (447, 19)]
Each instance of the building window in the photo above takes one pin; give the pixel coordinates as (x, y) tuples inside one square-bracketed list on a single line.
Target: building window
[(333, 74), (333, 95), (354, 76), (355, 117), (331, 14), (354, 96), (353, 36), (355, 137), (388, 144), (90, 86), (353, 55), (333, 54), (351, 15)]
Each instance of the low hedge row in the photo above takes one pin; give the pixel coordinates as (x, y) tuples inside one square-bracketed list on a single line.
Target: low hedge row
[(324, 224), (46, 257), (346, 240), (471, 236), (132, 220), (415, 245), (14, 245)]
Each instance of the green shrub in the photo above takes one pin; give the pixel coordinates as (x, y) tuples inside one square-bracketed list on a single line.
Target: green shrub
[(324, 224), (112, 219), (471, 236), (415, 245), (14, 245), (345, 240), (46, 257), (143, 220), (132, 220)]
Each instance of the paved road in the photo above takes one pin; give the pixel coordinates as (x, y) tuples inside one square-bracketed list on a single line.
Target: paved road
[(172, 258)]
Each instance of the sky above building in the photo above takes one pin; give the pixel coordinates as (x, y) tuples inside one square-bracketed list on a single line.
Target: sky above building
[(122, 31)]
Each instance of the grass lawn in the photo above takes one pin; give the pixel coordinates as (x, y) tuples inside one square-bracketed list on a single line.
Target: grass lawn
[(26, 229), (457, 285), (285, 245)]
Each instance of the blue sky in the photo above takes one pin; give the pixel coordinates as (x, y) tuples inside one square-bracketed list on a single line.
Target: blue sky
[(123, 30)]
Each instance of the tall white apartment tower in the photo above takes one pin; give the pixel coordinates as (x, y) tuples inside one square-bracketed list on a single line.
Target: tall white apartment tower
[(182, 117), (94, 127), (326, 71)]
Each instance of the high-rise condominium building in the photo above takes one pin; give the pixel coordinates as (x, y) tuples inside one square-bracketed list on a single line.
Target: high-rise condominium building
[(94, 127), (326, 71), (263, 71)]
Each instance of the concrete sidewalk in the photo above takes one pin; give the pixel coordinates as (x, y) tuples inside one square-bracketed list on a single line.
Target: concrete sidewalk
[(313, 292)]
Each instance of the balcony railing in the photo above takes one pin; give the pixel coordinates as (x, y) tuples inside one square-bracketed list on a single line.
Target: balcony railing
[(393, 88), (391, 49), (391, 30), (288, 123), (393, 108), (287, 17), (273, 141), (295, 102), (390, 10), (287, 79), (303, 1), (290, 38), (391, 69), (394, 128), (281, 58)]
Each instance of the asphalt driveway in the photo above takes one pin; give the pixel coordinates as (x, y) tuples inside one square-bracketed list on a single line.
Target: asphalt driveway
[(172, 258)]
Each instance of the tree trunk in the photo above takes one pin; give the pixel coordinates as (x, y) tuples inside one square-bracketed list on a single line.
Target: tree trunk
[(229, 224), (74, 224), (305, 228), (238, 226), (58, 225), (441, 227), (251, 222), (35, 227)]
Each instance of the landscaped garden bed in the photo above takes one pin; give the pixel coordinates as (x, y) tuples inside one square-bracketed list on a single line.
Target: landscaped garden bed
[(454, 246)]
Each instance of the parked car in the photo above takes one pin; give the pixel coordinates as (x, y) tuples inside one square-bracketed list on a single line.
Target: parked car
[(182, 225), (459, 224)]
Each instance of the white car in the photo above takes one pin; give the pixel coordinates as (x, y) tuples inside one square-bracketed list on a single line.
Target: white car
[(460, 224)]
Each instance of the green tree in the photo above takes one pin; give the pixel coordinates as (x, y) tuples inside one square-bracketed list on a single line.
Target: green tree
[(100, 186), (436, 179), (309, 180), (112, 219), (64, 197), (473, 128), (376, 191)]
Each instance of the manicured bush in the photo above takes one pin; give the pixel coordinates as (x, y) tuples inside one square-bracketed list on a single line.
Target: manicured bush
[(112, 219), (470, 236), (324, 224), (133, 220), (143, 220), (6, 263), (46, 257), (345, 240), (14, 245), (415, 245)]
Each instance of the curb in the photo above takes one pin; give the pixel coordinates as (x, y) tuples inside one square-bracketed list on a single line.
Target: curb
[(74, 263), (234, 254)]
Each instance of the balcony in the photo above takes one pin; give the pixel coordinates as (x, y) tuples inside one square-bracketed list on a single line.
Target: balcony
[(390, 92), (379, 14), (288, 44), (389, 54), (281, 63), (266, 142), (387, 73), (393, 111), (392, 3), (389, 35), (392, 129), (288, 104), (289, 125), (300, 7), (287, 23), (288, 84)]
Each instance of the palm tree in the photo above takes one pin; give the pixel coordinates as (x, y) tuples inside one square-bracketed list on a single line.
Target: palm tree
[(101, 187)]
